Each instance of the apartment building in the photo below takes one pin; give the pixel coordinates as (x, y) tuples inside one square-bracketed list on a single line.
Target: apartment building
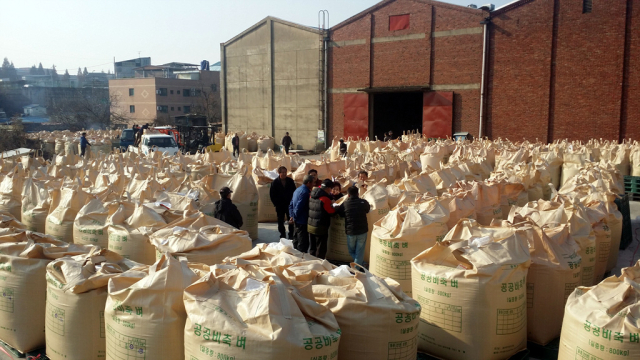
[(160, 99)]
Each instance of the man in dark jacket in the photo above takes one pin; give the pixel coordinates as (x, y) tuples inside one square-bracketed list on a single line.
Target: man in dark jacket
[(343, 148), (320, 210), (235, 142), (225, 210), (355, 210), (281, 193), (299, 213), (286, 142), (83, 143)]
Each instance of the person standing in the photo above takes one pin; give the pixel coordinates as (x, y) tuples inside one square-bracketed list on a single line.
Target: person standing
[(363, 176), (299, 214), (320, 211), (235, 142), (354, 210), (336, 191), (286, 142), (343, 148), (226, 211), (281, 193), (83, 143), (314, 173)]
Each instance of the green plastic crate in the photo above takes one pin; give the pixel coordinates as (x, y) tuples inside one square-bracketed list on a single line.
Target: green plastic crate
[(632, 187)]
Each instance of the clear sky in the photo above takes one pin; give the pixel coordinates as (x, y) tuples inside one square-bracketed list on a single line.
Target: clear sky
[(79, 33)]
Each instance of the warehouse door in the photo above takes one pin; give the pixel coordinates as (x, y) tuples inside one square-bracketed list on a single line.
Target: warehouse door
[(356, 115), (397, 111), (437, 114)]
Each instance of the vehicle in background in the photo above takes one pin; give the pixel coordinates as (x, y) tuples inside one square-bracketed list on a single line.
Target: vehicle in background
[(127, 138), (196, 134), (157, 142)]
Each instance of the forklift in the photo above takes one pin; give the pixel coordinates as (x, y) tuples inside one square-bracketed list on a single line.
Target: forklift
[(195, 134)]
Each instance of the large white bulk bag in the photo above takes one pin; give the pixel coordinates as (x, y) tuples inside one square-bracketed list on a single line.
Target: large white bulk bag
[(473, 295), (144, 314), (376, 317), (23, 290), (601, 322), (234, 316), (77, 294), (402, 234), (35, 205), (200, 238), (90, 226), (65, 204)]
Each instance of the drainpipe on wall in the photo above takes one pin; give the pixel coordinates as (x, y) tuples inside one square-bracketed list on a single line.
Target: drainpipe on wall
[(323, 25), (326, 94), (484, 22)]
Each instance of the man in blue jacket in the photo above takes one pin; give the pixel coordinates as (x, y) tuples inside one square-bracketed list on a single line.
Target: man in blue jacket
[(299, 213), (83, 144)]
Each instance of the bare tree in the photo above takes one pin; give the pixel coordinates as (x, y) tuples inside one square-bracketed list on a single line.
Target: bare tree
[(207, 103), (12, 136), (89, 109)]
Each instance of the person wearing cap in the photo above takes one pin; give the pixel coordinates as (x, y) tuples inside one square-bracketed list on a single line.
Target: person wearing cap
[(226, 211), (320, 211), (83, 143), (281, 193), (343, 148), (299, 213), (354, 211)]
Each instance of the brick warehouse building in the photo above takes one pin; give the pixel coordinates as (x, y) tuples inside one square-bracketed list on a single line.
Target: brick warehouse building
[(554, 69)]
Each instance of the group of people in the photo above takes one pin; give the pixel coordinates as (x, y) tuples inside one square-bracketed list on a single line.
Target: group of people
[(286, 143), (388, 136), (306, 212), (138, 131)]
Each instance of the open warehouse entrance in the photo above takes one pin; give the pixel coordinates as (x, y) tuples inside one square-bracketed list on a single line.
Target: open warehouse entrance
[(396, 111)]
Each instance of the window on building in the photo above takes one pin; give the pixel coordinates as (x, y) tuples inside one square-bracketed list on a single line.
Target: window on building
[(172, 108), (214, 87), (163, 108), (587, 5), (130, 91), (398, 22), (179, 108), (196, 92), (187, 109), (161, 91), (132, 108), (178, 92), (186, 92), (171, 92)]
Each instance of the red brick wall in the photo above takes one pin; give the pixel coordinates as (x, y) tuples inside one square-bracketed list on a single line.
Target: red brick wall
[(519, 72), (402, 63), (455, 59), (538, 86), (589, 70)]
